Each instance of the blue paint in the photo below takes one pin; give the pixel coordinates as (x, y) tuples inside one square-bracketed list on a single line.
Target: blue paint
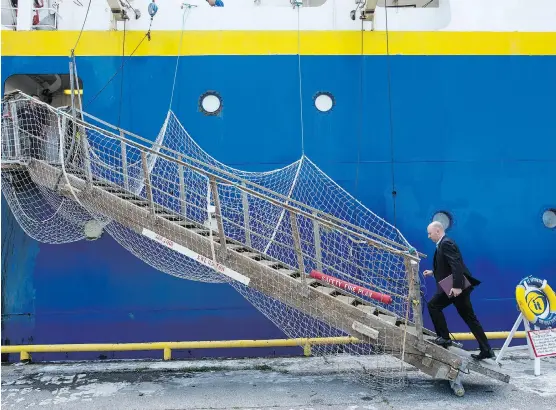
[(475, 136), (19, 253)]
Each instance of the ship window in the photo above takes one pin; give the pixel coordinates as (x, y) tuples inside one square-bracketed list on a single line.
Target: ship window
[(324, 101), (210, 103), (549, 218), (444, 218), (53, 89)]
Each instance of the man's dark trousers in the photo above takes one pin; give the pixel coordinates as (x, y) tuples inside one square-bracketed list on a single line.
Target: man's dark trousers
[(465, 310)]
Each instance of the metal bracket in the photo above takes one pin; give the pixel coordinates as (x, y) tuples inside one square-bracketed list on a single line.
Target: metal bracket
[(365, 330), (452, 374), (420, 346), (427, 361), (368, 11), (219, 221)]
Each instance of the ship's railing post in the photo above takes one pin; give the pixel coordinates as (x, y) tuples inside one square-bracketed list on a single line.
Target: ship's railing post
[(245, 201), (124, 162), (62, 124), (74, 83), (147, 177), (86, 157), (219, 221), (412, 271), (183, 197), (298, 251), (16, 141), (316, 234), (24, 15)]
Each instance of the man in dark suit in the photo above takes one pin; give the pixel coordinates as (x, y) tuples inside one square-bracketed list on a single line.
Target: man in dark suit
[(448, 261)]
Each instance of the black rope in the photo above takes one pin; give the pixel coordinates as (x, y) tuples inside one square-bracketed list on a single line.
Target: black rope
[(389, 80), (122, 77), (82, 28), (124, 61), (360, 131)]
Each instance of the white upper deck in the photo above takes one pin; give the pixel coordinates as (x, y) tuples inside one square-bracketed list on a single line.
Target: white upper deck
[(318, 15)]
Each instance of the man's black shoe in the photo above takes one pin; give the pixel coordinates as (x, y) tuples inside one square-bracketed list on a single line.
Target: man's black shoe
[(484, 355), (442, 342)]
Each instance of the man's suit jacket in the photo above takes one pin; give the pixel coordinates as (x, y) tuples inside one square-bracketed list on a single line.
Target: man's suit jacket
[(448, 260)]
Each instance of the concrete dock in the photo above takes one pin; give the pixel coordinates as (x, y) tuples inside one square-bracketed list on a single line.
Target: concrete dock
[(275, 383)]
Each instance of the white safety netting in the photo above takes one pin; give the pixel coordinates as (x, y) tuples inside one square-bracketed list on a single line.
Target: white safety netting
[(338, 235)]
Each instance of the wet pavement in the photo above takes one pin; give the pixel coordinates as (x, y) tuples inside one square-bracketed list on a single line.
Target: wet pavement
[(283, 383)]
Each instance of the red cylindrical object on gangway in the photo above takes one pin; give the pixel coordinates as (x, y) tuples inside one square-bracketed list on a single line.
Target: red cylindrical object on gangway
[(358, 290)]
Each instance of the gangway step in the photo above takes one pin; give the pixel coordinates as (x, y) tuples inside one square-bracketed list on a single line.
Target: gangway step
[(132, 197), (289, 272), (249, 255), (235, 246), (367, 309), (388, 318), (200, 231), (268, 263), (346, 299), (326, 290)]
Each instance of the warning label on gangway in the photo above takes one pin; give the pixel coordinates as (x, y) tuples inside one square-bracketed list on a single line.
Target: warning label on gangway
[(195, 256)]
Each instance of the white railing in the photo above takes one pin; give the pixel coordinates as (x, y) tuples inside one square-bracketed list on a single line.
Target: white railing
[(9, 17), (51, 18)]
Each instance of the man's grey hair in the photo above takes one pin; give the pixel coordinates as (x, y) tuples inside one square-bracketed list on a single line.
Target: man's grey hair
[(437, 225)]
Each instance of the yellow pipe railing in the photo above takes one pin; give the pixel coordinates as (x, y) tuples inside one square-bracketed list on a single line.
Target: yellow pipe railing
[(167, 347), (490, 335)]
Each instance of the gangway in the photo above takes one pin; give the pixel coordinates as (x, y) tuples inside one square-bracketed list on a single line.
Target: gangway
[(132, 196)]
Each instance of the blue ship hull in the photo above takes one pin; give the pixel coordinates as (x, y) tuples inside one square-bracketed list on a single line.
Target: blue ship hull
[(471, 135)]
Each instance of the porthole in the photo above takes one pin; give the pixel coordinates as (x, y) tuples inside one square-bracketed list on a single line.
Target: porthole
[(549, 218), (324, 101), (444, 218), (210, 103)]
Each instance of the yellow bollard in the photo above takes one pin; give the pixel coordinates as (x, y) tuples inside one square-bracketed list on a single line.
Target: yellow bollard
[(167, 353), (24, 356), (307, 349)]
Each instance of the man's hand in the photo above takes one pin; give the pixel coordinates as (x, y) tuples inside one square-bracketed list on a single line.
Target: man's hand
[(427, 273), (455, 292)]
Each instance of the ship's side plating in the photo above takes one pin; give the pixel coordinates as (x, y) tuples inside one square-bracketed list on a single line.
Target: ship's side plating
[(451, 109)]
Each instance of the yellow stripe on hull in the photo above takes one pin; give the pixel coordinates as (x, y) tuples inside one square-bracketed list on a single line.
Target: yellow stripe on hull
[(165, 43)]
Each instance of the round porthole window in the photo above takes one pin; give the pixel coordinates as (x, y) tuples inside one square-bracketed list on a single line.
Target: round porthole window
[(210, 103), (444, 218), (324, 101), (549, 218)]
